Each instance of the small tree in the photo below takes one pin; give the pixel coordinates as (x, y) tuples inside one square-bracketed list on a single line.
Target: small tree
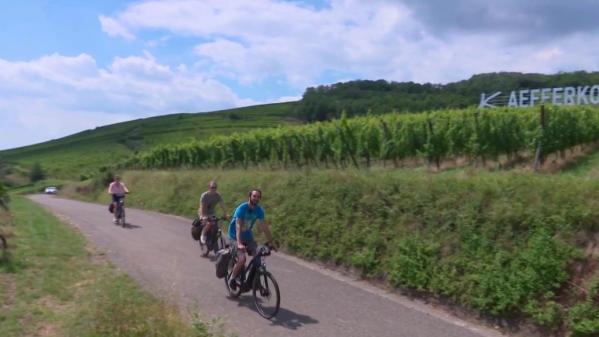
[(36, 173)]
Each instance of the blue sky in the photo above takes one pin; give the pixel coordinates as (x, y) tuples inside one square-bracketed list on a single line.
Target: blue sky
[(67, 66)]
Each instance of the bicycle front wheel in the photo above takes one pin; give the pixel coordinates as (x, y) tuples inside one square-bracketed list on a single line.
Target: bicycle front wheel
[(220, 242), (233, 293), (117, 216), (204, 248), (123, 223), (267, 297)]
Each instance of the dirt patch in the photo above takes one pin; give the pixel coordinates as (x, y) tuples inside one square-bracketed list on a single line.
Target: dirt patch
[(10, 284), (582, 273), (592, 249), (47, 330)]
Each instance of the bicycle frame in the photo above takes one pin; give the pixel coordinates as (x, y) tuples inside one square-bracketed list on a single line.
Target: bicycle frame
[(120, 206), (256, 263), (260, 281)]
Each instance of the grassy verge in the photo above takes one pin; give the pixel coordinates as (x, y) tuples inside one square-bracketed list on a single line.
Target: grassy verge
[(507, 245), (51, 284)]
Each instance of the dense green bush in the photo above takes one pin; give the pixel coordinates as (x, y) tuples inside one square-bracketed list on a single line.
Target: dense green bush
[(37, 172)]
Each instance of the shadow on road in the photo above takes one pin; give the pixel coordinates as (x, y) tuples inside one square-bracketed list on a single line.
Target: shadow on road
[(132, 226), (285, 318)]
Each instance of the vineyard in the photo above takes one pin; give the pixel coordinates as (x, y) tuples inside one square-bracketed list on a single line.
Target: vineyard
[(364, 141)]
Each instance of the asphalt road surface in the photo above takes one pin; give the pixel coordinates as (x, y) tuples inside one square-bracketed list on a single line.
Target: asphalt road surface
[(157, 250)]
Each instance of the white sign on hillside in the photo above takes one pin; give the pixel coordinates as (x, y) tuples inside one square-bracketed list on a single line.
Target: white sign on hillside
[(531, 97)]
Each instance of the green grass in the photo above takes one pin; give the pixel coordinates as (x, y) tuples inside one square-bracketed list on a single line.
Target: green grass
[(52, 284), (504, 244), (80, 155), (584, 166)]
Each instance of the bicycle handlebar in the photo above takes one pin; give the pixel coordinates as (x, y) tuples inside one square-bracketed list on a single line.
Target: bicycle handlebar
[(263, 251), (216, 218), (267, 248)]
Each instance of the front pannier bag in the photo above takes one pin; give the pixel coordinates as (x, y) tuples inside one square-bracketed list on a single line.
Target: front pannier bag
[(222, 262)]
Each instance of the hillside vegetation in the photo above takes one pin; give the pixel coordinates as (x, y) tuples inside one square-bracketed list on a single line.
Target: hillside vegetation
[(83, 153), (363, 97), (507, 245)]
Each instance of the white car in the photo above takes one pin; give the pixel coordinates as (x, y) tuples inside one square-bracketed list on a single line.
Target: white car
[(51, 190)]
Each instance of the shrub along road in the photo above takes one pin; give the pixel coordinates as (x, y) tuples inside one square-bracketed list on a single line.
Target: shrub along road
[(158, 252)]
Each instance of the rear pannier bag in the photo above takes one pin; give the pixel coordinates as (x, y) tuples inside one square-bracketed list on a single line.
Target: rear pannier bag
[(222, 262), (196, 229)]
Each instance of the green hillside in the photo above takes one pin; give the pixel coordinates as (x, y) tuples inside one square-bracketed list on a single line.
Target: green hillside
[(80, 155), (83, 153)]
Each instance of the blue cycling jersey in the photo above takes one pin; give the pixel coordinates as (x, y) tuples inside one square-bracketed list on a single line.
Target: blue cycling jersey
[(249, 217)]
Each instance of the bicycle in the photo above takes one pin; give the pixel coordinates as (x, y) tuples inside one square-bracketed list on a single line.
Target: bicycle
[(260, 281), (119, 213), (214, 238)]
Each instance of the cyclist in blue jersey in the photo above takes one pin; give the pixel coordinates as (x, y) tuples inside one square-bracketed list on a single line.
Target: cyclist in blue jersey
[(240, 231)]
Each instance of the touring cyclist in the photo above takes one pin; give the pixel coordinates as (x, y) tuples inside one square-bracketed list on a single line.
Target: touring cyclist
[(240, 231), (206, 209), (118, 190)]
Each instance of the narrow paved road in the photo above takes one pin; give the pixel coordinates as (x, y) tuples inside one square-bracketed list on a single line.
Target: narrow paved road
[(157, 251)]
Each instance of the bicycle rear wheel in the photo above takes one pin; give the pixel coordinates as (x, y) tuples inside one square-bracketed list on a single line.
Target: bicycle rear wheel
[(267, 297)]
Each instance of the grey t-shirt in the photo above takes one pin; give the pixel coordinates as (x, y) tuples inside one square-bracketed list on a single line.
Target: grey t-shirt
[(210, 200)]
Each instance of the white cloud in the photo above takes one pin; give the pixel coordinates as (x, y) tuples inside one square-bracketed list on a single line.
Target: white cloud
[(158, 42), (252, 44), (112, 27), (57, 95), (253, 41)]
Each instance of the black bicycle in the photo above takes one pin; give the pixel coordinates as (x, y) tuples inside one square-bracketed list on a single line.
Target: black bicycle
[(260, 281), (214, 238)]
